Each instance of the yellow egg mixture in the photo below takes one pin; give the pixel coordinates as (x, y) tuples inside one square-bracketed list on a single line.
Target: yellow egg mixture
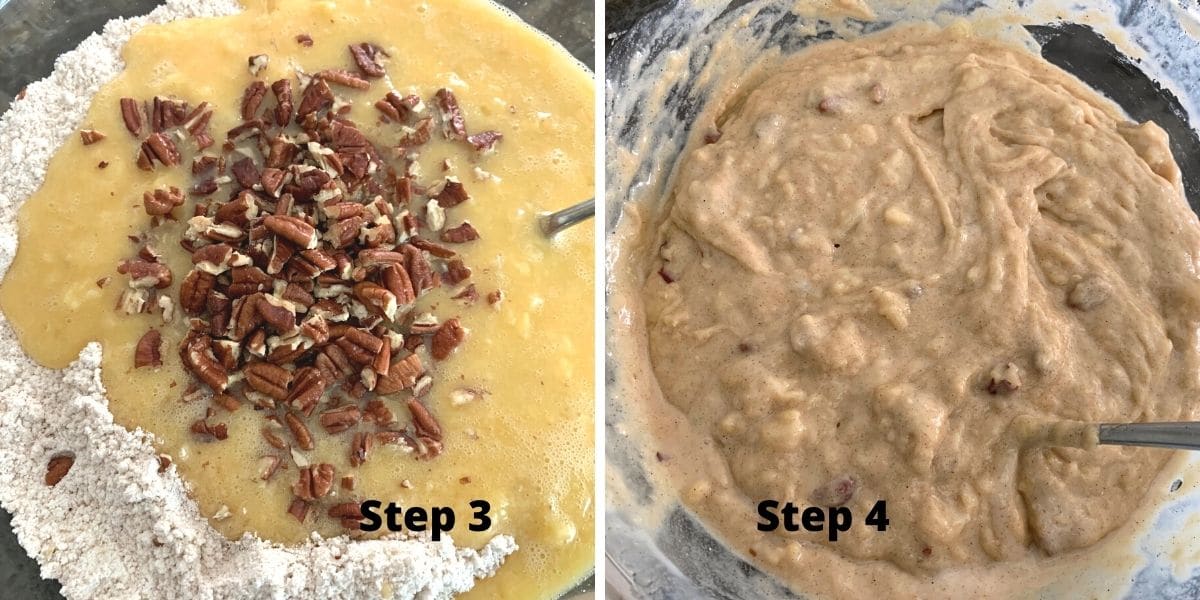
[(527, 447)]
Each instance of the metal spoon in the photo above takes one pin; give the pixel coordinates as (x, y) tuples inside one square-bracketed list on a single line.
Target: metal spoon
[(554, 222), (1185, 436)]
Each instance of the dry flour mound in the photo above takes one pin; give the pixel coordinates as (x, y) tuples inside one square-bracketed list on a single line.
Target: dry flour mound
[(115, 527)]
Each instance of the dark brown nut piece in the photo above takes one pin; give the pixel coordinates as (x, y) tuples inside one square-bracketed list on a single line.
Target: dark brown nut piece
[(433, 248), (454, 125), (246, 173), (485, 141), (832, 105), (378, 413), (446, 339), (58, 467), (304, 40), (425, 448), (347, 511), (252, 99), (272, 181), (1004, 379), (359, 345), (293, 229), (402, 375), (835, 493), (377, 299), (457, 272), (275, 313), (160, 147), (419, 271), (299, 431), (269, 379), (494, 297), (345, 232), (423, 422), (317, 96), (197, 355), (228, 352), (144, 274), (238, 211), (267, 466), (366, 58), (344, 78), (340, 419), (193, 293), (298, 508), (227, 402), (148, 353), (396, 280), (315, 482), (273, 439), (452, 193), (470, 294), (208, 432), (91, 136), (461, 234), (1089, 294), (283, 101), (131, 114), (248, 280), (372, 257), (308, 386), (360, 448)]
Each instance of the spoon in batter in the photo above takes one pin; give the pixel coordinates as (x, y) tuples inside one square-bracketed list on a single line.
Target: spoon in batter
[(1185, 435), (554, 222)]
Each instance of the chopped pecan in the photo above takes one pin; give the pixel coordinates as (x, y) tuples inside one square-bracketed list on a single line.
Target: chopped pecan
[(304, 40), (293, 229), (454, 125), (423, 422), (344, 78), (299, 431), (193, 293), (58, 467), (315, 482), (160, 147), (246, 173), (298, 508), (446, 339), (360, 448), (252, 99), (485, 141), (377, 299), (268, 379), (144, 274), (283, 101), (340, 419), (308, 387), (208, 432), (317, 96), (91, 136), (433, 248), (148, 353), (197, 355), (419, 271), (267, 466), (461, 234), (457, 272), (227, 402), (837, 492), (452, 193), (162, 201), (347, 511), (377, 412), (1004, 379), (402, 375), (273, 439), (131, 114), (366, 58)]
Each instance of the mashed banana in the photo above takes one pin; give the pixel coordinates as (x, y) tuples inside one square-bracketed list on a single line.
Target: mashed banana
[(896, 258)]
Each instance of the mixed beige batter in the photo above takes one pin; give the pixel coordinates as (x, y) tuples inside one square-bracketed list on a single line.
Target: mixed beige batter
[(891, 270)]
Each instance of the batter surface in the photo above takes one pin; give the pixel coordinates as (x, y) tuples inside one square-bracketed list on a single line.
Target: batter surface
[(887, 273)]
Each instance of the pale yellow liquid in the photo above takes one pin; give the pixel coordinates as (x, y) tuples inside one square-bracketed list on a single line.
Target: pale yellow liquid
[(528, 447)]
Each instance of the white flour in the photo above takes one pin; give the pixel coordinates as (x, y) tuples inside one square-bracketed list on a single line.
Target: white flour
[(115, 527)]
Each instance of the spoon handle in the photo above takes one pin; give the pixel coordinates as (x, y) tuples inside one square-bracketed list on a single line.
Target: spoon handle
[(1159, 435), (552, 223)]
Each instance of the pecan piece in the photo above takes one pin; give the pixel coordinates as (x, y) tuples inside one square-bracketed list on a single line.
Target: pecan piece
[(315, 482), (283, 101), (343, 77), (377, 299), (452, 193), (349, 514), (161, 202), (402, 375), (58, 467), (269, 379), (366, 58), (317, 96), (298, 508), (340, 419), (252, 99), (423, 422), (144, 274), (1004, 379), (299, 431), (197, 355), (246, 173), (208, 432), (419, 271), (360, 448), (454, 125), (461, 234), (91, 136), (148, 353), (293, 229), (446, 339), (377, 412), (308, 386), (835, 493), (131, 114), (193, 293), (485, 141), (158, 146)]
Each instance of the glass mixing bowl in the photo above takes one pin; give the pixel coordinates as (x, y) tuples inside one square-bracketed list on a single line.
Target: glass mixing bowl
[(678, 558), (33, 33)]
